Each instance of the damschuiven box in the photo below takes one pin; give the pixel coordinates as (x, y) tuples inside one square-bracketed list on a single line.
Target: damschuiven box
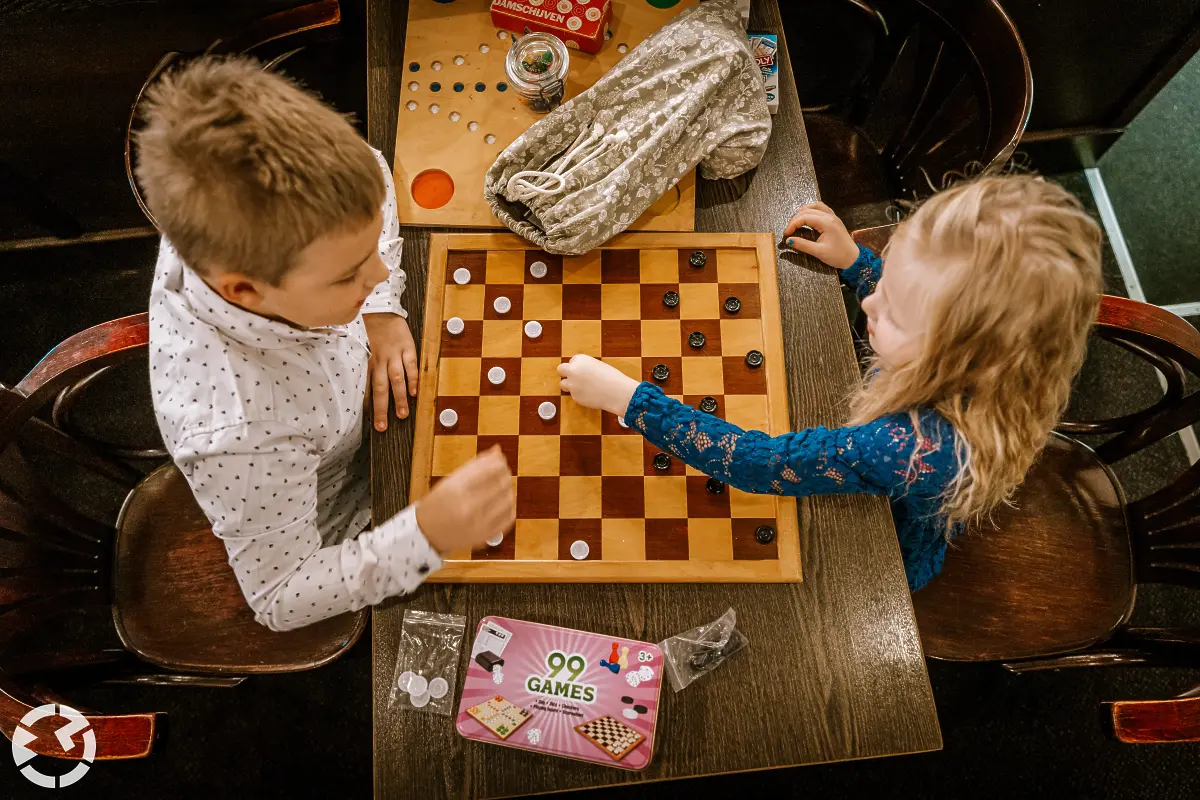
[(579, 23)]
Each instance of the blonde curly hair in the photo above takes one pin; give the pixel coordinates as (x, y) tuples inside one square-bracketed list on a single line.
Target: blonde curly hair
[(1013, 286)]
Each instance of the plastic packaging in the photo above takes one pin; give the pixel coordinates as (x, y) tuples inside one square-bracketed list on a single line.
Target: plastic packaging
[(701, 650), (427, 664)]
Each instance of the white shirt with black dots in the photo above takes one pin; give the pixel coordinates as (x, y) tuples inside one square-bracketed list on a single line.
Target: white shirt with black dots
[(266, 423)]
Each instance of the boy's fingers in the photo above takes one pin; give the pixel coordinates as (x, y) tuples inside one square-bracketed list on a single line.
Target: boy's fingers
[(379, 391), (564, 369), (565, 385), (410, 370), (397, 378)]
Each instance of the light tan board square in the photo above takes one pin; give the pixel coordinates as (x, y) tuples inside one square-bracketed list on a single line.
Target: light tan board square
[(580, 336), (660, 337)]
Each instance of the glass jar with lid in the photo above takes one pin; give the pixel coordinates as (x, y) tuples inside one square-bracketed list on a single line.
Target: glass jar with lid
[(536, 66)]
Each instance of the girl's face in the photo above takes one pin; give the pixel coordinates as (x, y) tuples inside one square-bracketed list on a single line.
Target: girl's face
[(895, 310)]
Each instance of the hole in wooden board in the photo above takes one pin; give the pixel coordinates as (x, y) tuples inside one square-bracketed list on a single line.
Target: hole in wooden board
[(436, 65), (459, 61), (621, 48), (490, 139), (432, 188), (472, 125), (413, 86), (483, 48), (502, 35), (667, 203), (411, 105), (434, 108), (455, 116)]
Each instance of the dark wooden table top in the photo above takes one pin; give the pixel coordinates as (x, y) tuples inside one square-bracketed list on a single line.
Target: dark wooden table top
[(834, 670)]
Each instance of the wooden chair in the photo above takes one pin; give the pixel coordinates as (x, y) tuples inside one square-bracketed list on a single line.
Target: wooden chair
[(1052, 584), (947, 88), (160, 575), (292, 25)]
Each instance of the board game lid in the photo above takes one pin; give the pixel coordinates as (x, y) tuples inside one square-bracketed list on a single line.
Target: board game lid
[(562, 692)]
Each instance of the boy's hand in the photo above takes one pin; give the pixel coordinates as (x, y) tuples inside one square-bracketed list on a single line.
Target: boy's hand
[(834, 246), (393, 363), (470, 505), (594, 384)]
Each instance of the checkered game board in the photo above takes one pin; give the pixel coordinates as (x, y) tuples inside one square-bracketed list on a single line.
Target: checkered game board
[(581, 476)]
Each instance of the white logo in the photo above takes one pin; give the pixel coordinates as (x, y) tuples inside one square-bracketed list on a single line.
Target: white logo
[(77, 722)]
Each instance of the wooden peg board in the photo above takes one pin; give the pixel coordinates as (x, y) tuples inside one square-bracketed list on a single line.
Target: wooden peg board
[(581, 475), (471, 128)]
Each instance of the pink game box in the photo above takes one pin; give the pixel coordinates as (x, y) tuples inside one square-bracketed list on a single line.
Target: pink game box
[(563, 692)]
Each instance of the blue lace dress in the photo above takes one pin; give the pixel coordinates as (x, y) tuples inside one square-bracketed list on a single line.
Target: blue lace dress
[(888, 456)]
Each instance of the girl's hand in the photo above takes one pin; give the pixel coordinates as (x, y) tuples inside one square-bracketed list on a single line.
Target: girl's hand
[(834, 246), (594, 384)]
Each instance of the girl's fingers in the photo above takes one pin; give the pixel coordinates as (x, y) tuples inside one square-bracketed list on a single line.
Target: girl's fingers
[(565, 385), (806, 246), (814, 218)]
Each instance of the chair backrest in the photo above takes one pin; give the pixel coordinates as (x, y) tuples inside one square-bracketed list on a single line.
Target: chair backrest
[(1165, 525), (55, 561), (286, 24), (950, 87)]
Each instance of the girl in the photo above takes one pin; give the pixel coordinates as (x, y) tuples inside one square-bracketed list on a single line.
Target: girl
[(978, 326)]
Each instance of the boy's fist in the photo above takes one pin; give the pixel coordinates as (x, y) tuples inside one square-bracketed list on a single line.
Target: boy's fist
[(834, 245), (595, 384), (470, 505)]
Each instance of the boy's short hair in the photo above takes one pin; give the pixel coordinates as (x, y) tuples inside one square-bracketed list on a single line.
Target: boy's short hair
[(243, 169)]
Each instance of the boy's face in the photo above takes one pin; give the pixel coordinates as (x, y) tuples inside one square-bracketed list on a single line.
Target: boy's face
[(328, 285)]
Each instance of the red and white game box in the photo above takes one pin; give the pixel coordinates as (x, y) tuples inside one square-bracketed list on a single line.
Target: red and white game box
[(562, 692), (579, 23)]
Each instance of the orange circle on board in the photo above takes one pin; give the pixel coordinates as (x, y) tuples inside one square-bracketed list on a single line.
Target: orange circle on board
[(432, 188)]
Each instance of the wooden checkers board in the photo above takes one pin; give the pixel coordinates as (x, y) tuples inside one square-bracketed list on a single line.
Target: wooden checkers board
[(581, 476), (457, 112), (611, 735)]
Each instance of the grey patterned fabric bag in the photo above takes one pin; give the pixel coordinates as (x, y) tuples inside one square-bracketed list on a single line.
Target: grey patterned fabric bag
[(689, 95)]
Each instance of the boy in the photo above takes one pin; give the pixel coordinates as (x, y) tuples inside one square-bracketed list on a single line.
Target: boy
[(276, 294)]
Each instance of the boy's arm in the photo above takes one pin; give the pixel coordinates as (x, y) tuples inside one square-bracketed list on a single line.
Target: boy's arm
[(870, 459), (385, 298), (257, 483), (863, 275)]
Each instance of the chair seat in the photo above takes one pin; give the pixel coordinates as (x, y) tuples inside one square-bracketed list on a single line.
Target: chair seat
[(1054, 575), (176, 602), (850, 171)]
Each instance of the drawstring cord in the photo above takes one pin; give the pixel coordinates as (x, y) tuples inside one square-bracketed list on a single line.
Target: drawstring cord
[(588, 146)]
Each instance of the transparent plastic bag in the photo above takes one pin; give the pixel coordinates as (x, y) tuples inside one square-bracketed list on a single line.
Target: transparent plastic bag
[(427, 664), (701, 650)]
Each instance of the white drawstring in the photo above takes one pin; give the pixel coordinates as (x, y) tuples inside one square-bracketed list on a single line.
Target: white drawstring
[(588, 146)]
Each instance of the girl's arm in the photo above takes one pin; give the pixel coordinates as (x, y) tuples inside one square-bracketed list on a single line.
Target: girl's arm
[(863, 275), (871, 459)]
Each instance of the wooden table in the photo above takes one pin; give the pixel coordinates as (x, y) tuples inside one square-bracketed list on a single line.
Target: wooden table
[(834, 670)]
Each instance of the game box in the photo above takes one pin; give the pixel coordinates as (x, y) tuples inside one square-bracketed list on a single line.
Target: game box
[(562, 692)]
